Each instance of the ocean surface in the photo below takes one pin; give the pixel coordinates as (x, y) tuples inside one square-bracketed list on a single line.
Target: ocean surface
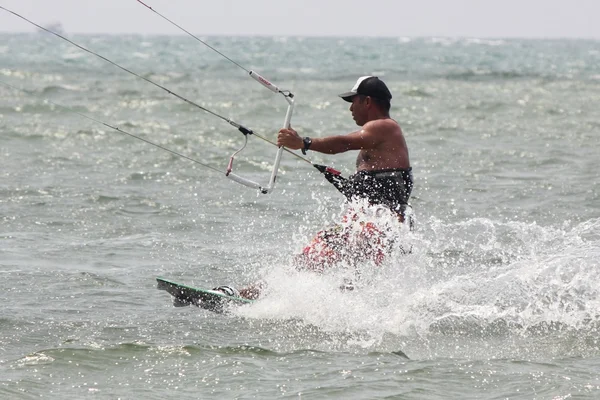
[(497, 299)]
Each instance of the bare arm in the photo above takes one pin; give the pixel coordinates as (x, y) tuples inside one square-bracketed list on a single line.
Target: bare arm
[(366, 138)]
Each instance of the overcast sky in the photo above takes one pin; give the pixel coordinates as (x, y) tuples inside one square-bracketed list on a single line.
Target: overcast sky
[(463, 18)]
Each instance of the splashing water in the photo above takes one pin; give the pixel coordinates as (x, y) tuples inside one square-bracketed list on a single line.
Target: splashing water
[(480, 278)]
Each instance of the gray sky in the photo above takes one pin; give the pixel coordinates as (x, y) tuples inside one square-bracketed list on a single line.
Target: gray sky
[(470, 18)]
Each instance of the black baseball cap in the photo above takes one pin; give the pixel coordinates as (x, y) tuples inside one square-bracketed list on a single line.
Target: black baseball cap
[(368, 86)]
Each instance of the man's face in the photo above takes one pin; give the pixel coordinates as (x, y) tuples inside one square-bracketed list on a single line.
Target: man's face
[(358, 108)]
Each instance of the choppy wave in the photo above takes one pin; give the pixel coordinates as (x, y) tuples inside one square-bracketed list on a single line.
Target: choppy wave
[(55, 89), (490, 75)]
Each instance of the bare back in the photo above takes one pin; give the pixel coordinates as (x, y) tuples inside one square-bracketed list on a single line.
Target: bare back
[(388, 149)]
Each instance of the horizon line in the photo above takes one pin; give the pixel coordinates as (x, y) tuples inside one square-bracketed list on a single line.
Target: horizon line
[(312, 36)]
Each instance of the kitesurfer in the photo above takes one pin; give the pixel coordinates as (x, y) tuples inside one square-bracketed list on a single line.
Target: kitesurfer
[(383, 178), (383, 173)]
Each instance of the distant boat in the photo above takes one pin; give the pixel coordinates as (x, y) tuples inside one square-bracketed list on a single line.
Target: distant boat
[(54, 27)]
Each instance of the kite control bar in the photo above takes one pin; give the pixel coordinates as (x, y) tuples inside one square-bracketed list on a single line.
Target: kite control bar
[(289, 97)]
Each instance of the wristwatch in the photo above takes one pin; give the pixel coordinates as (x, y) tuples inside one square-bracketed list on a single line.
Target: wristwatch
[(307, 142)]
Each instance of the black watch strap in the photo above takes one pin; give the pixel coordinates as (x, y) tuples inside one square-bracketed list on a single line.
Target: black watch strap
[(307, 142)]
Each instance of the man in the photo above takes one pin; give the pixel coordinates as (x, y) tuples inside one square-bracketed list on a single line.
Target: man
[(383, 178), (384, 174)]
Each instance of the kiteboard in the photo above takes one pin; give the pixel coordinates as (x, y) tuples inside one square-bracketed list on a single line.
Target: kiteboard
[(208, 299)]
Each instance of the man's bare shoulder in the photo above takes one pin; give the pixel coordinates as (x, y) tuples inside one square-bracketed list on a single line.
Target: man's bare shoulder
[(383, 126)]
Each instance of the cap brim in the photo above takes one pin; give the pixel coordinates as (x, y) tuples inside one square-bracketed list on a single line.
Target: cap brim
[(348, 96)]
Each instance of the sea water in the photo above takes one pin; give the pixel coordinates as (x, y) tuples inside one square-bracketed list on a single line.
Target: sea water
[(494, 294)]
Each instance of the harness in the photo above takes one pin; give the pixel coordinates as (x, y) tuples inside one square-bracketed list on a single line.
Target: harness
[(388, 187)]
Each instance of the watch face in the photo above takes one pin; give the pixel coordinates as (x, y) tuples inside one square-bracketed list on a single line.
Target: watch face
[(307, 142)]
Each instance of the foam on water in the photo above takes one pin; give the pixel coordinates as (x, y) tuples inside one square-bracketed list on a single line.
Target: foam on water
[(479, 278)]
